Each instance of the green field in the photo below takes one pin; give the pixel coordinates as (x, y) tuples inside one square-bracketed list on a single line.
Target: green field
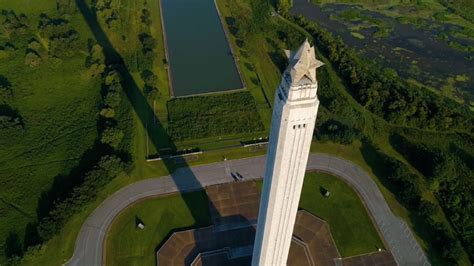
[(351, 227), (57, 101)]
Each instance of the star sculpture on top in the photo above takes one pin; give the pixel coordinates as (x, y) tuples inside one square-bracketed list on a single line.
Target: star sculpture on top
[(303, 63)]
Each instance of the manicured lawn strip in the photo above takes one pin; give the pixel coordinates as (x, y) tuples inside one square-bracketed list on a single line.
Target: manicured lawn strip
[(128, 245)]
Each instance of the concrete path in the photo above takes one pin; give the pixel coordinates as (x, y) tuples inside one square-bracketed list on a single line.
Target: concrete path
[(90, 241)]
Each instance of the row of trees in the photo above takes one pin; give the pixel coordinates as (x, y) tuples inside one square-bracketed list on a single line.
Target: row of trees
[(148, 44), (110, 134), (382, 92), (95, 60), (147, 55), (106, 169), (150, 89), (450, 175), (336, 131), (406, 187), (107, 166), (63, 40), (13, 24)]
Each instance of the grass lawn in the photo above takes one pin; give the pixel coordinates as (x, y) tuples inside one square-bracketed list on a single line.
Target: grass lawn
[(128, 245), (58, 101), (350, 224)]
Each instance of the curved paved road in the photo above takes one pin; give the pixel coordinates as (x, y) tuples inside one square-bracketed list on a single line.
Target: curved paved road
[(89, 243)]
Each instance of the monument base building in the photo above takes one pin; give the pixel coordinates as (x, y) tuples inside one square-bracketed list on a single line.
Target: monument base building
[(229, 240)]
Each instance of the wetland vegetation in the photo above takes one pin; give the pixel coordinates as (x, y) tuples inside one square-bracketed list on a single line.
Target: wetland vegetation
[(422, 42)]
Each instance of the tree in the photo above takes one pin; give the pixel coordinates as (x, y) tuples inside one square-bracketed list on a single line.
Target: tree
[(149, 78), (112, 136), (112, 77), (95, 61), (151, 92), (13, 246), (64, 45), (147, 41), (13, 24), (111, 164), (65, 7), (96, 69), (145, 17), (112, 98), (10, 122)]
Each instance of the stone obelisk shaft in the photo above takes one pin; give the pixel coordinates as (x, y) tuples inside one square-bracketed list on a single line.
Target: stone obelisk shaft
[(293, 121)]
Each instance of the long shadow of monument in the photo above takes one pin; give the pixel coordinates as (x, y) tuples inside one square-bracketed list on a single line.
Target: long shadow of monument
[(145, 114)]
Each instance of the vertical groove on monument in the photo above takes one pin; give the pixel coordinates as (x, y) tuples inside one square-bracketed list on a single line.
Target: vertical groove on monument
[(294, 116)]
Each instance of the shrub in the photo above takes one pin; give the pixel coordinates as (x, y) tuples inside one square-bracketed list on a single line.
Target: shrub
[(5, 89), (112, 136), (13, 246), (215, 115), (149, 78), (107, 112), (112, 98), (32, 59), (338, 132), (112, 77)]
